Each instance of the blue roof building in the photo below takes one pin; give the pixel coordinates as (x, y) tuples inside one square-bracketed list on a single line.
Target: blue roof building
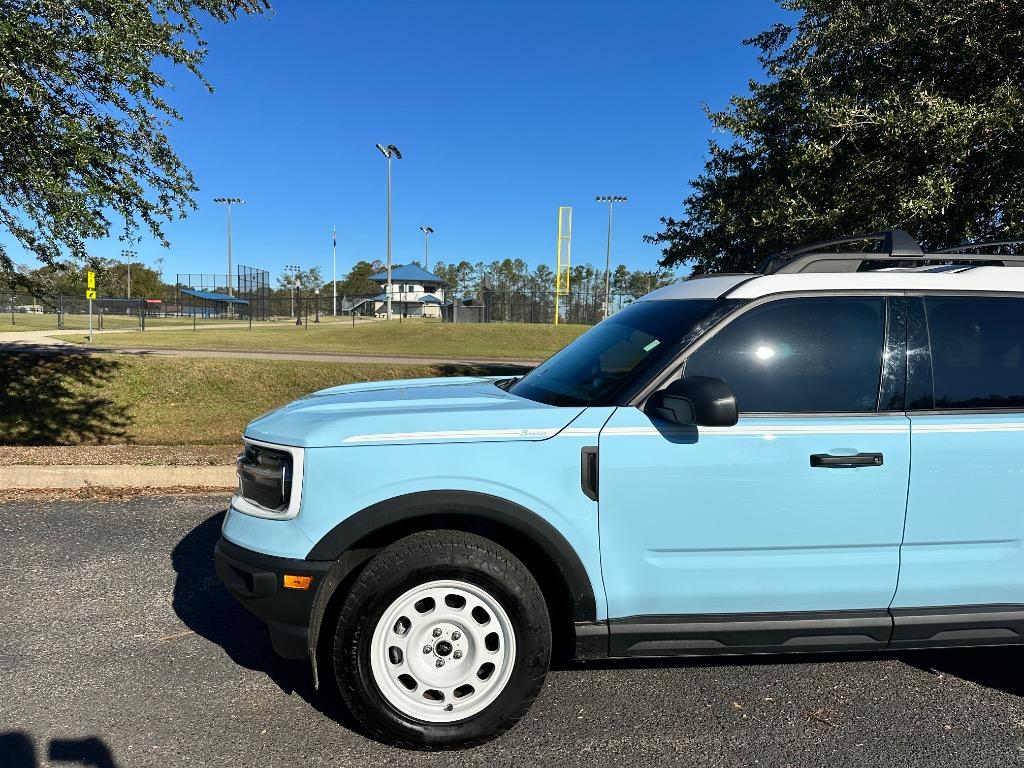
[(415, 292), (408, 273)]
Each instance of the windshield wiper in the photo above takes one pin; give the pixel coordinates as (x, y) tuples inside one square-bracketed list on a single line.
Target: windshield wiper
[(506, 384)]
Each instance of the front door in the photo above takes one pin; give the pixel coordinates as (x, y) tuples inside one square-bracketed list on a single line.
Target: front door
[(784, 529)]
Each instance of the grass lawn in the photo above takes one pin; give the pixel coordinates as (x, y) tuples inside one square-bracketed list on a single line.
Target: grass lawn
[(74, 399), (114, 321), (414, 337)]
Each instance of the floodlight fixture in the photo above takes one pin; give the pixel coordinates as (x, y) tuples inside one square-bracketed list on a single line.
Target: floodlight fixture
[(389, 151), (229, 201)]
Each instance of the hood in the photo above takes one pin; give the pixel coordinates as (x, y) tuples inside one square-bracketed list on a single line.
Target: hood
[(410, 411)]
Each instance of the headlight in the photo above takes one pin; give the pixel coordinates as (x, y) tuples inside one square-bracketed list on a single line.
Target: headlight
[(269, 480)]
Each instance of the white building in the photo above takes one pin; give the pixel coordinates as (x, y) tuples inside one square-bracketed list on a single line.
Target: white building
[(414, 293)]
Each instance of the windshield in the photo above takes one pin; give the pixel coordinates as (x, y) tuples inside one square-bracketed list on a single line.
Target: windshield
[(598, 365)]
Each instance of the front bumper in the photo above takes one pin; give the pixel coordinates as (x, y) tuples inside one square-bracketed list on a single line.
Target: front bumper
[(256, 581)]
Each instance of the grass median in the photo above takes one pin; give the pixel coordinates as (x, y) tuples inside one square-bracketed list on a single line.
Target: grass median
[(84, 399), (510, 341)]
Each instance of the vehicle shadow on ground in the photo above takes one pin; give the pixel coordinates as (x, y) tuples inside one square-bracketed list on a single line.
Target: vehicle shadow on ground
[(205, 606), (58, 400), (17, 750), (998, 668), (455, 367)]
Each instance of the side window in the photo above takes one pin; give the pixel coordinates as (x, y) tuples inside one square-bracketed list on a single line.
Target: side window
[(800, 355), (977, 351)]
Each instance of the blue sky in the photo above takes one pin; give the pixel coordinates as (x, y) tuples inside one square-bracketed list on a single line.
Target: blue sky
[(503, 111)]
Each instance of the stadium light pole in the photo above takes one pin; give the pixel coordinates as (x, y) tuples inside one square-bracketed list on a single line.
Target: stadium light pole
[(292, 271), (611, 200), (389, 151), (427, 232), (128, 255), (229, 201)]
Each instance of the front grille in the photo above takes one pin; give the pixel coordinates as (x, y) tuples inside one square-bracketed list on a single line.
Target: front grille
[(265, 477)]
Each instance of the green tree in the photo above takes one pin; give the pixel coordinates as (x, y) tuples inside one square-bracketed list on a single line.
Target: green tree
[(872, 115), (313, 279), (303, 279), (146, 282), (357, 282), (83, 117), (57, 279), (111, 279), (542, 279), (459, 276)]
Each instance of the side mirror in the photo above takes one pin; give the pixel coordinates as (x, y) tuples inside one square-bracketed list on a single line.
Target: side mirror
[(701, 400)]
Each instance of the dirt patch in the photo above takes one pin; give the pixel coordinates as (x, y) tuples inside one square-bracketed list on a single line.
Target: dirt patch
[(146, 455), (93, 493)]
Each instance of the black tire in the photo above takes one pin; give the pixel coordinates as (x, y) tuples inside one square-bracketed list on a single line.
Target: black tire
[(418, 559)]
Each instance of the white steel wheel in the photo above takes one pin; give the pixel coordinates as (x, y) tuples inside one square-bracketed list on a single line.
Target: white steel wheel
[(443, 651)]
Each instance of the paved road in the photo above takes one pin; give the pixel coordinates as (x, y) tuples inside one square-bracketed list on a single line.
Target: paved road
[(45, 335), (118, 647)]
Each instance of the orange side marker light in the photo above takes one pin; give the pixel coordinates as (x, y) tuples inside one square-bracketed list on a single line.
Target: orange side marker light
[(297, 582)]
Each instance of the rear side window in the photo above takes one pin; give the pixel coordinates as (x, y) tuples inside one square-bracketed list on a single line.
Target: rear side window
[(800, 355), (977, 346)]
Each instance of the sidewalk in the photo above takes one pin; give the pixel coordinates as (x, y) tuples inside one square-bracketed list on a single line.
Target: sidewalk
[(32, 476)]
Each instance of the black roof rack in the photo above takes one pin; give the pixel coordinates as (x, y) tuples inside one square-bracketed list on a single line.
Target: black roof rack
[(898, 249), (963, 247), (703, 275)]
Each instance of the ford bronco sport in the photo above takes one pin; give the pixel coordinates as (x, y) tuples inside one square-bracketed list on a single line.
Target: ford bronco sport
[(824, 455)]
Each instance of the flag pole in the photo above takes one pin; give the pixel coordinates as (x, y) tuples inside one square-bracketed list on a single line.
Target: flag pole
[(334, 266)]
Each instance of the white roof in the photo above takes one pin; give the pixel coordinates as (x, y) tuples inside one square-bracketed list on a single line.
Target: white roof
[(710, 287), (1003, 279)]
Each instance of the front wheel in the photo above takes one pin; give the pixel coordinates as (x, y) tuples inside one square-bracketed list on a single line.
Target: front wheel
[(443, 641)]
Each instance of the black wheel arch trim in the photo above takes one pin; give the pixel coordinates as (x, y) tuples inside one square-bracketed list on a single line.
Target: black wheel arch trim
[(356, 529), (351, 543)]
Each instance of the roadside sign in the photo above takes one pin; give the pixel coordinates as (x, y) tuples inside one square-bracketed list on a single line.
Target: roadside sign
[(90, 294)]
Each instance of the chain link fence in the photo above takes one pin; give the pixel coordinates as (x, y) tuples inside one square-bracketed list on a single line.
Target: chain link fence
[(577, 308), (62, 312), (28, 311)]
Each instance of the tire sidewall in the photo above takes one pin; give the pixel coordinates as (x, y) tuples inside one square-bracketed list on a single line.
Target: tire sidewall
[(530, 627)]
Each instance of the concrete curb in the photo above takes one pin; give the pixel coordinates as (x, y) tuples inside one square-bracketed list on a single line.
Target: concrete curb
[(33, 476)]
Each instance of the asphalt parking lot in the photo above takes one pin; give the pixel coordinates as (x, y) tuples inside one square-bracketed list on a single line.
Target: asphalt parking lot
[(118, 647)]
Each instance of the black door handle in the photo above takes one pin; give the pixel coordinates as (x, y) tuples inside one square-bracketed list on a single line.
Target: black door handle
[(840, 462)]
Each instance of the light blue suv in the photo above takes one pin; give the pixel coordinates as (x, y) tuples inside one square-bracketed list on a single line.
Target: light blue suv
[(825, 455)]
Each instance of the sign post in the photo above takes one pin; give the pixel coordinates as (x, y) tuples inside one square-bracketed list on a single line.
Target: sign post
[(90, 294)]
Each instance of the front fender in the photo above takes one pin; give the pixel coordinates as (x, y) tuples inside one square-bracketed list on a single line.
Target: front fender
[(354, 532), (351, 491), (532, 488)]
